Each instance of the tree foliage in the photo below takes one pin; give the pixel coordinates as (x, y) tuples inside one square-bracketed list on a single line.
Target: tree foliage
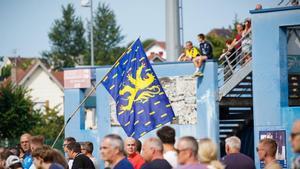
[(6, 71), (218, 43), (50, 123), (147, 42), (107, 36), (67, 40), (16, 111)]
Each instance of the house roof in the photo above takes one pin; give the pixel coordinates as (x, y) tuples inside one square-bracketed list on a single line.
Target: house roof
[(156, 58), (158, 43), (27, 66)]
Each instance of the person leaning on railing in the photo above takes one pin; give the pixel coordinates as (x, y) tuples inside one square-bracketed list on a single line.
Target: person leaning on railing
[(246, 41)]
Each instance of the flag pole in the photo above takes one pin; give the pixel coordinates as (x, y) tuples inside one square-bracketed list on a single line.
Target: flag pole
[(89, 94)]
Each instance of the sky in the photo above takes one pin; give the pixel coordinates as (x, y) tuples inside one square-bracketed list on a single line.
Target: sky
[(25, 24)]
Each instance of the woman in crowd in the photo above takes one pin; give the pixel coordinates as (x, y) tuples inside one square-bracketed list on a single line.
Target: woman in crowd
[(208, 154)]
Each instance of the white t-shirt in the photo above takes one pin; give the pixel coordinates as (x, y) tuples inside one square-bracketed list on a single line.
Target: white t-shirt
[(70, 163), (32, 166), (171, 157)]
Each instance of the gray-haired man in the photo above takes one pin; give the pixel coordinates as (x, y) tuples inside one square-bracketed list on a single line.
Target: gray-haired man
[(234, 159), (112, 151)]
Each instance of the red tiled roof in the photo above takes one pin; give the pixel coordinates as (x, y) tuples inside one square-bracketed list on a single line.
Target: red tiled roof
[(25, 65), (161, 44), (59, 75)]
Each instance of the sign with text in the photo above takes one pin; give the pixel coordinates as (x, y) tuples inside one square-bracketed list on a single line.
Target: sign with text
[(279, 137), (79, 78)]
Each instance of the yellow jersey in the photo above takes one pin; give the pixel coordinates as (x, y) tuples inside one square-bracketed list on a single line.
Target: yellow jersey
[(192, 53)]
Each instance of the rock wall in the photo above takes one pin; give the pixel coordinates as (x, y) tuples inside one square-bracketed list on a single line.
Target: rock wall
[(181, 91)]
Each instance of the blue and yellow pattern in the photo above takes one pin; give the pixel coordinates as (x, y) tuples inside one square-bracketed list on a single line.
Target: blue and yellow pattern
[(142, 104)]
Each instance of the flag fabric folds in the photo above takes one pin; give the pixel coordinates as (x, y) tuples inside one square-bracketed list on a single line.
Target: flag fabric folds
[(141, 102)]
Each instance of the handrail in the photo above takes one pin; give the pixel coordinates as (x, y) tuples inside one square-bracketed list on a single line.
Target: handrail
[(231, 63), (236, 43)]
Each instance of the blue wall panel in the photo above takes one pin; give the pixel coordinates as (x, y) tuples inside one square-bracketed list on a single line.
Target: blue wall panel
[(270, 71)]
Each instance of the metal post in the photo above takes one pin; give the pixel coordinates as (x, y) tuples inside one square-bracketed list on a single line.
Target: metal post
[(92, 34), (89, 3), (172, 30)]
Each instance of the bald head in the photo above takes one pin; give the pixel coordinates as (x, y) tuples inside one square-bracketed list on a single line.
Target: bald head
[(130, 146), (295, 137)]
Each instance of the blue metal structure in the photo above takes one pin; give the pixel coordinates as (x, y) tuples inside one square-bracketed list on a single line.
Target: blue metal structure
[(271, 108), (270, 72), (207, 114)]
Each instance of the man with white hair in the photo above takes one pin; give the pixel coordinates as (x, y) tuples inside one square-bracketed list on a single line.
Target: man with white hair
[(25, 145), (152, 153), (112, 151), (234, 159)]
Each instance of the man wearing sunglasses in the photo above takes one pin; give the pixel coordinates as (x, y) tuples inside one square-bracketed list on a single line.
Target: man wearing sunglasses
[(295, 142)]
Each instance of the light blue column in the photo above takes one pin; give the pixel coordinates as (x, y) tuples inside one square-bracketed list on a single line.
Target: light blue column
[(207, 105), (72, 99)]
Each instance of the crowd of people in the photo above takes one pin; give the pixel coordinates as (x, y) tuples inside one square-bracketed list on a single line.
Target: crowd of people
[(237, 52), (154, 153)]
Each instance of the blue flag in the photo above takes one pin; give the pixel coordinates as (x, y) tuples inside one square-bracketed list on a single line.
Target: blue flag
[(142, 104)]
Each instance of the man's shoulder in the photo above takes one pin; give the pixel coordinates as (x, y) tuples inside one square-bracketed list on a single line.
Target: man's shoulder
[(238, 159), (82, 157), (195, 48), (158, 163), (192, 166), (82, 160), (56, 166), (237, 155), (124, 164)]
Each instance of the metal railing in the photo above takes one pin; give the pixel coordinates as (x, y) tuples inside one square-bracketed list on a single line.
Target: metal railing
[(230, 63)]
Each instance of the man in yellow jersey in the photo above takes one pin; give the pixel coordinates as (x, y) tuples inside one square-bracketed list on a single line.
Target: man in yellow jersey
[(190, 53)]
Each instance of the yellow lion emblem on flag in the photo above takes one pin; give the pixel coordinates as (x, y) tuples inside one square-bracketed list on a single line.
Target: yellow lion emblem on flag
[(139, 84)]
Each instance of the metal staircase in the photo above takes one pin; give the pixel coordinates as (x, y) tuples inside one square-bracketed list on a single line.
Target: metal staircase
[(235, 94)]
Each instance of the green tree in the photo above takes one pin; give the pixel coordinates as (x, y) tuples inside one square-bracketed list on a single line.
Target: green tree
[(50, 124), (16, 111), (6, 71), (218, 43), (107, 36), (67, 40), (147, 42)]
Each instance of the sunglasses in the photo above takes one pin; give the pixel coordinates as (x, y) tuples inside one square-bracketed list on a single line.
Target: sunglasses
[(293, 135), (178, 151)]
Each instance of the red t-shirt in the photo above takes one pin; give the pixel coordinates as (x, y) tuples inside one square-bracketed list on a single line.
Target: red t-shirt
[(136, 160), (238, 45)]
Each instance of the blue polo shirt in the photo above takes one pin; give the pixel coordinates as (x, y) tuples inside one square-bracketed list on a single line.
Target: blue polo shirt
[(124, 164)]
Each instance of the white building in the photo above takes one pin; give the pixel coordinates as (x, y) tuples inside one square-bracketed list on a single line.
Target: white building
[(46, 86), (156, 51)]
